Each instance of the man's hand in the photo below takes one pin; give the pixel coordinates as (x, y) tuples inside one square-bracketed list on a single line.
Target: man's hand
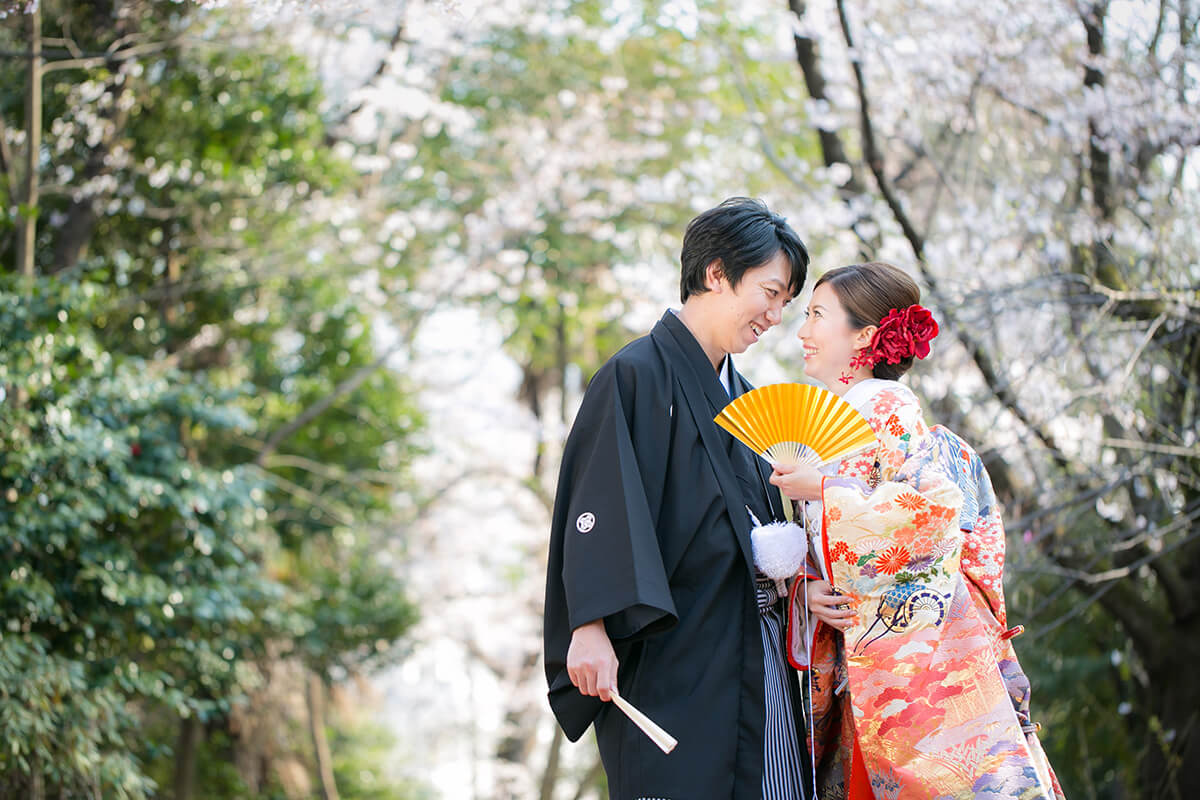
[(828, 606), (591, 661)]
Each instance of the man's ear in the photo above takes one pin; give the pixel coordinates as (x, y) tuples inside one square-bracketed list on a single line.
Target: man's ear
[(714, 276)]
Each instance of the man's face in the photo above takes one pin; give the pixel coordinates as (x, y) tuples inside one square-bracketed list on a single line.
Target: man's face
[(755, 305)]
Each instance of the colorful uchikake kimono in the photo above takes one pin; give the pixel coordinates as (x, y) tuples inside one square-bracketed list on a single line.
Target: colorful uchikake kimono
[(922, 698)]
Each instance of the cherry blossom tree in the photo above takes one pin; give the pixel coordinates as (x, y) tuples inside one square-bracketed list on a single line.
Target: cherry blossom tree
[(1035, 167)]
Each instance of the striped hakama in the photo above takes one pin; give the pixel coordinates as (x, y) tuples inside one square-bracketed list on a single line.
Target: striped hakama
[(782, 765)]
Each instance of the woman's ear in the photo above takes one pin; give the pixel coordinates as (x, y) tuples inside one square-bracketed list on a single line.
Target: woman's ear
[(714, 276), (863, 337)]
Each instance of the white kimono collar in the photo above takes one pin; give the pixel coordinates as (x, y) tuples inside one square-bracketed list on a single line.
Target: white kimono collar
[(861, 393)]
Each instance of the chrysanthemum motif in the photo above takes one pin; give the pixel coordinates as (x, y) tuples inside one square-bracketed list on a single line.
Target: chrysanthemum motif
[(920, 564), (893, 560), (912, 502), (842, 551)]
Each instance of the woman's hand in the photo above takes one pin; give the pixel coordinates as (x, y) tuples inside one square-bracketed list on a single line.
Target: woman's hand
[(798, 481), (827, 605)]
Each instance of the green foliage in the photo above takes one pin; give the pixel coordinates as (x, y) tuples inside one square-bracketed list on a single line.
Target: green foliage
[(61, 727), (132, 567), (153, 558), (362, 752), (348, 464), (1082, 688), (352, 600), (217, 777)]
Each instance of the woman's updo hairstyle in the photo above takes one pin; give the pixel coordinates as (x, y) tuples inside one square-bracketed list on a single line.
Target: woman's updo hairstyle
[(868, 292)]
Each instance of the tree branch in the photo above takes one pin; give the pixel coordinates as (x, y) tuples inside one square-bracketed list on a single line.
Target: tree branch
[(379, 72), (874, 158), (341, 390), (589, 780), (340, 515), (832, 150), (111, 59), (1125, 608), (871, 152), (765, 144)]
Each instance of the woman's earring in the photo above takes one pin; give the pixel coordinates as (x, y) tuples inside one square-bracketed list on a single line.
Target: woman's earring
[(848, 374)]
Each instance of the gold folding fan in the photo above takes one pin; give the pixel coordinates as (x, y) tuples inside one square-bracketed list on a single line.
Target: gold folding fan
[(793, 423)]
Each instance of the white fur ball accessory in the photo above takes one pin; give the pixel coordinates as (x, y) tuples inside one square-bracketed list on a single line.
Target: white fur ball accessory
[(779, 551)]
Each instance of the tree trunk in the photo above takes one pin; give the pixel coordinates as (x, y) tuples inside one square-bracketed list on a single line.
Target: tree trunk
[(592, 781), (37, 789), (185, 758), (316, 725), (832, 151), (519, 731), (550, 776), (1173, 719), (76, 234), (27, 215)]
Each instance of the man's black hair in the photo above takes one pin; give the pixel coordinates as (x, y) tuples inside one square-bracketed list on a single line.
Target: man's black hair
[(741, 233)]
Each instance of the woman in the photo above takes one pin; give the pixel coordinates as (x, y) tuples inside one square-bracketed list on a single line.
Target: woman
[(916, 690)]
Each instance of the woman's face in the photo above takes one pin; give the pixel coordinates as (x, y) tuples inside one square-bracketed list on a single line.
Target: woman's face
[(828, 338)]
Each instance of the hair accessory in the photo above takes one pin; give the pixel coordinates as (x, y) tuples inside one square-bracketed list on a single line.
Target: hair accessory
[(901, 334)]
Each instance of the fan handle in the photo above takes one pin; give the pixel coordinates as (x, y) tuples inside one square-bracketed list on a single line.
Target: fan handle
[(665, 741)]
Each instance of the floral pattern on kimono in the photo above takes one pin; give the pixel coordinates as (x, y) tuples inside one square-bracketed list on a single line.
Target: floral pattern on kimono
[(926, 680)]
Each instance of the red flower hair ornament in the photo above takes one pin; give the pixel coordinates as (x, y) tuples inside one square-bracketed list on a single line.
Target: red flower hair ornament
[(902, 333)]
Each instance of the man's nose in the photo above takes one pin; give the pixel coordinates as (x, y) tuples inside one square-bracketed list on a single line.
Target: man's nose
[(775, 314)]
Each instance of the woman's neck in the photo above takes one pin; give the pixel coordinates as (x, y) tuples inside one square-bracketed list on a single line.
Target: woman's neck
[(840, 387)]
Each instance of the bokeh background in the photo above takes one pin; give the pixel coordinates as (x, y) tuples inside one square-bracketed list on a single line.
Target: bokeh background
[(298, 299)]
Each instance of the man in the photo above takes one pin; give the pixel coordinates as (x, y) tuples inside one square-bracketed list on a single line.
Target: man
[(651, 586)]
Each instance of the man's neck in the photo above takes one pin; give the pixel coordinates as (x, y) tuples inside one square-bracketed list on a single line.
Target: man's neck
[(694, 319)]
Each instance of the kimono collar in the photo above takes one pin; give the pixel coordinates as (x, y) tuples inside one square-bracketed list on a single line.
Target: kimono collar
[(693, 353), (861, 393), (725, 375), (695, 372)]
